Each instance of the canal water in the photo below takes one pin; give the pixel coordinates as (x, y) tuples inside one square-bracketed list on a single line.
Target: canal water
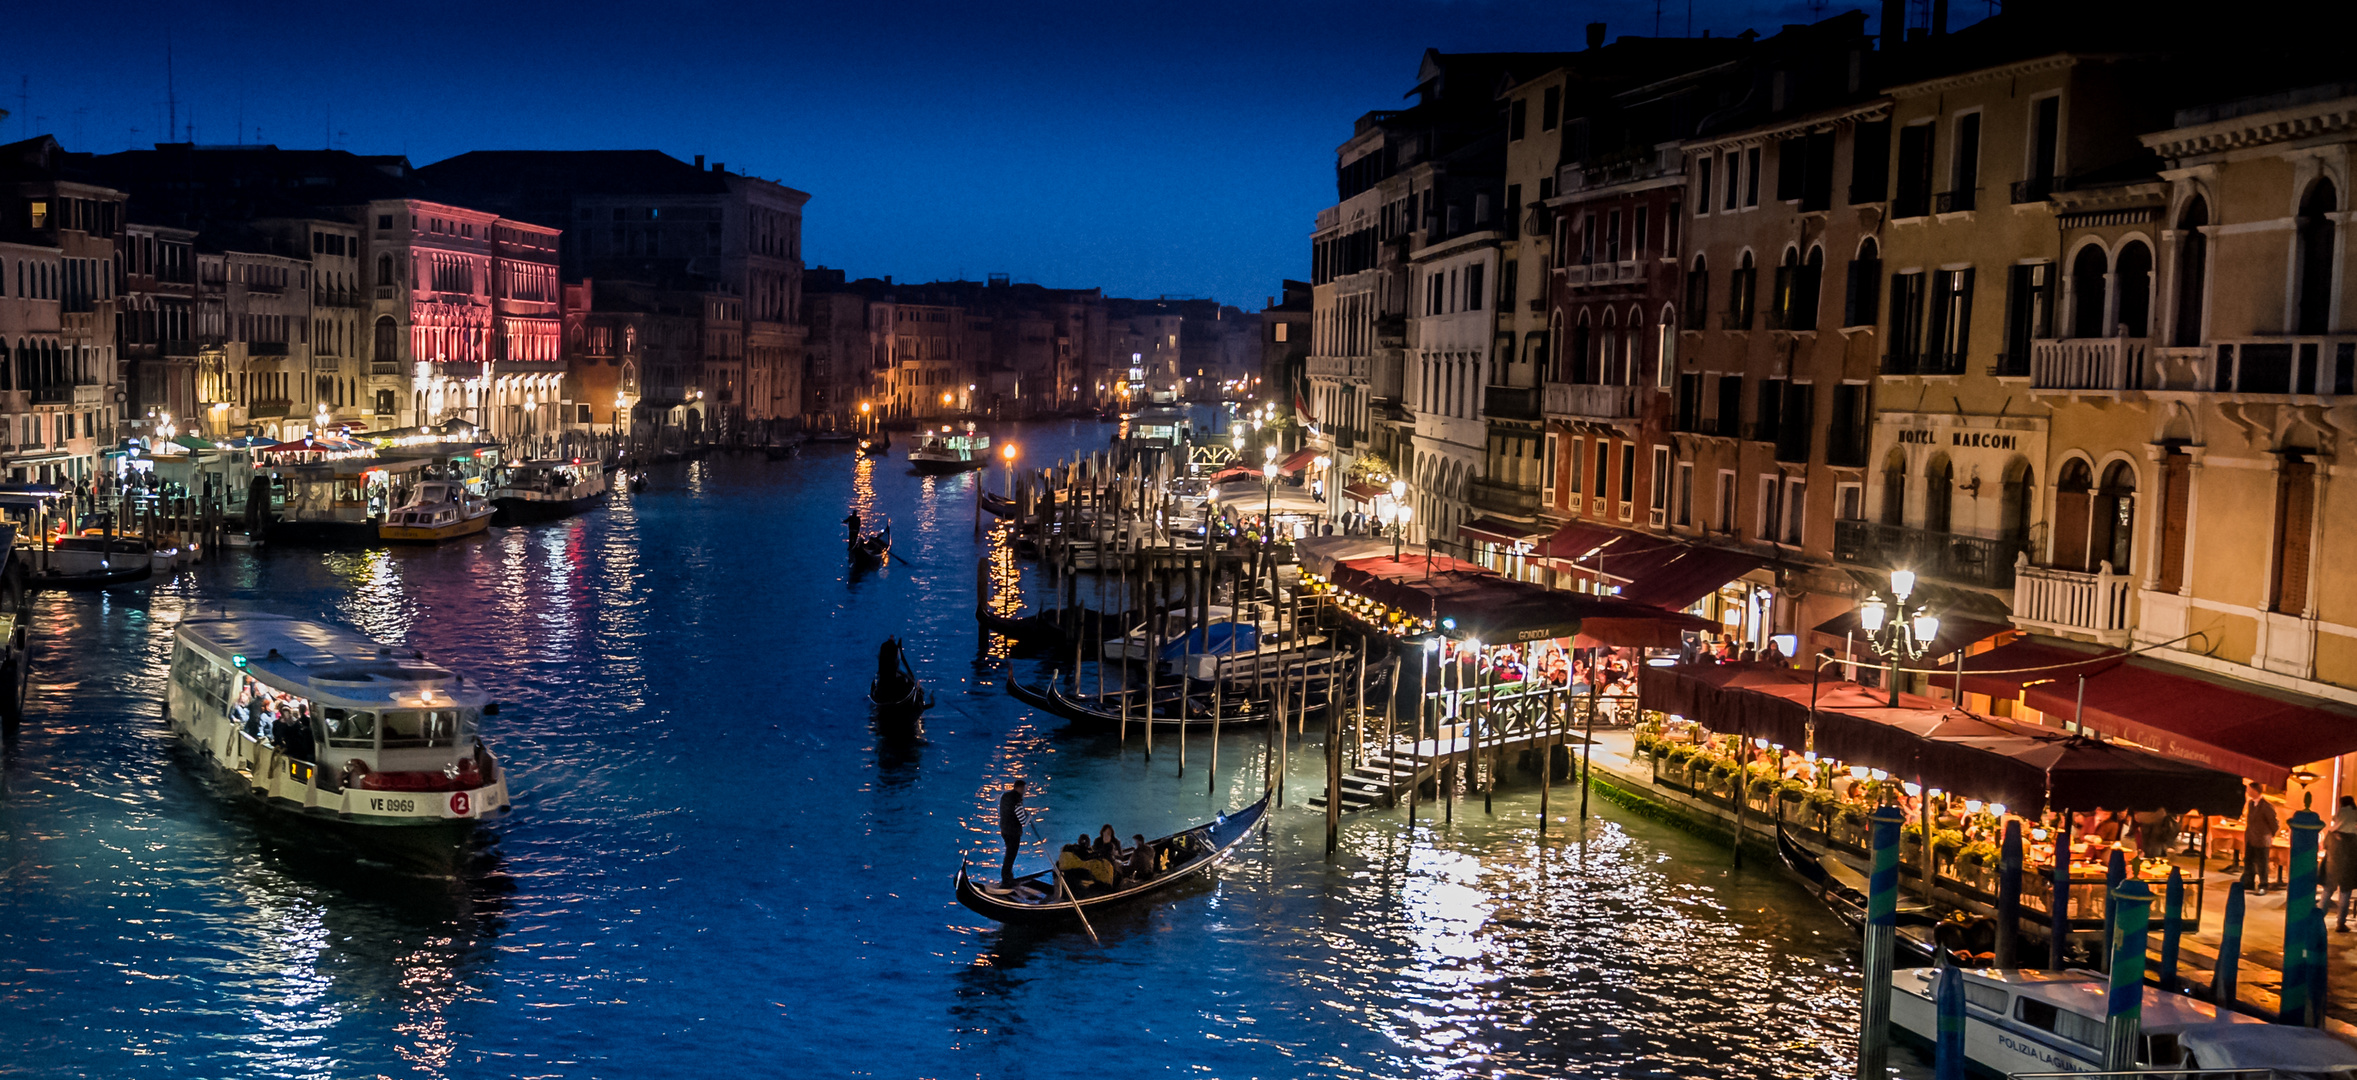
[(717, 864)]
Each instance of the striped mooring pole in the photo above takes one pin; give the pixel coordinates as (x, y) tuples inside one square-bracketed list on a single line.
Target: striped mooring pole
[(2009, 899), (1948, 1001), (2172, 926), (2316, 970), (2299, 906), (2223, 976), (2124, 1010), (2115, 872), (1882, 920), (2058, 928)]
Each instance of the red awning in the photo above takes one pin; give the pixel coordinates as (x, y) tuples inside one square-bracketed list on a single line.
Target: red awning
[(2247, 731), (1497, 531), (1296, 460), (1233, 472), (1687, 575), (1366, 493), (2024, 766), (2004, 671)]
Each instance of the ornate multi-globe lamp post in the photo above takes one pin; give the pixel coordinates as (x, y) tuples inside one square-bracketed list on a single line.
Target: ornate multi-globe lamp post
[(1899, 629)]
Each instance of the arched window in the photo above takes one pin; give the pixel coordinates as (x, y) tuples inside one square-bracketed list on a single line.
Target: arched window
[(2193, 271), (2112, 527), (1697, 293), (2073, 511), (1582, 349), (2131, 276), (2087, 272), (2314, 290), (1862, 295), (1807, 285), (1939, 493), (1608, 351), (1665, 350), (1781, 299), (2021, 494), (1740, 293)]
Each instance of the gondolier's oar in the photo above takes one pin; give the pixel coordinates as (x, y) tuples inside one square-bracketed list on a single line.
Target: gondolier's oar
[(896, 557), (1064, 888)]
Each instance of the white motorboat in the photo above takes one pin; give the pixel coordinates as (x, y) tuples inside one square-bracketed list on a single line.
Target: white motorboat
[(318, 721), (2047, 1021), (947, 451), (547, 490), (437, 510)]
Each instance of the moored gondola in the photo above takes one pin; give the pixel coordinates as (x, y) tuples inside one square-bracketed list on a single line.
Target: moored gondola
[(1039, 899), (1174, 708), (1848, 900)]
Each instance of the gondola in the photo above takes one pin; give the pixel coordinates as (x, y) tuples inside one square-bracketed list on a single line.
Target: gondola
[(1819, 875), (876, 444), (1038, 899), (1026, 629), (869, 552), (638, 482), (895, 687), (92, 581), (1169, 713), (780, 451)]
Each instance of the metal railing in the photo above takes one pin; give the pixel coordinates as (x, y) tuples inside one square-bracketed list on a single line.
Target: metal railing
[(2030, 191), (2113, 363), (1510, 402), (1978, 561), (1955, 202)]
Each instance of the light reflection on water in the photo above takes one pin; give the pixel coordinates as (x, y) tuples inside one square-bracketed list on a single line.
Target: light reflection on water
[(719, 863)]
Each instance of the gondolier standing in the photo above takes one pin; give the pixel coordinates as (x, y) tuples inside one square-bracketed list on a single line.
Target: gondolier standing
[(1010, 827)]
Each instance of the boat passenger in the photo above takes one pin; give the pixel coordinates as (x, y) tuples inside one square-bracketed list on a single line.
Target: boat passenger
[(1079, 859), (1108, 845), (1141, 859)]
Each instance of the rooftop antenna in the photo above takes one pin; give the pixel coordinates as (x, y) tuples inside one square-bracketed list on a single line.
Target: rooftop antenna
[(171, 100)]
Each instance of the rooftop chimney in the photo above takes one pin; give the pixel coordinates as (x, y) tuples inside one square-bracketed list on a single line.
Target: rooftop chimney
[(1595, 35), (699, 163), (1894, 23), (719, 166)]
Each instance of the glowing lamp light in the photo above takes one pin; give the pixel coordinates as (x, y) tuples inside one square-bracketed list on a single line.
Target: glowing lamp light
[(1007, 451), (1972, 806), (1911, 790), (1997, 808), (1269, 470), (1926, 627), (1872, 613), (1857, 772), (1399, 489), (1810, 757), (1761, 743), (1662, 661), (1902, 583), (1878, 775), (2038, 835), (1448, 624), (1472, 645)]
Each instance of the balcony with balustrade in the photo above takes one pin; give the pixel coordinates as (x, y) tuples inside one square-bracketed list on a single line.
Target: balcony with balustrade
[(1979, 562), (2073, 603), (1337, 367), (2277, 368), (2090, 367), (1591, 401)]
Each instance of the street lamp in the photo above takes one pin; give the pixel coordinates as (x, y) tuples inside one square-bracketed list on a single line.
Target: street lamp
[(1268, 517), (1007, 453), (1898, 629)]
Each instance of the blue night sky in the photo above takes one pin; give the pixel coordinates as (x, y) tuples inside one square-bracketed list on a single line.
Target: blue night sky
[(1150, 149)]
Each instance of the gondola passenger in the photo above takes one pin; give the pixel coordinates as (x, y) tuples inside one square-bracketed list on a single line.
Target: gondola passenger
[(1141, 859), (1078, 862)]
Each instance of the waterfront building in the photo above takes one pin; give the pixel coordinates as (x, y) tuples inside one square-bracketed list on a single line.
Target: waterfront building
[(264, 357), (157, 327), (52, 201), (1775, 351), (644, 215), (1604, 242), (1284, 343)]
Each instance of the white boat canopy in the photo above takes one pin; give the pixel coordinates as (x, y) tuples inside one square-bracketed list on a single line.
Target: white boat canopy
[(1249, 497)]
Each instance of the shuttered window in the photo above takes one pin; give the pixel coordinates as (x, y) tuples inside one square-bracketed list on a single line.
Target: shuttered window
[(2294, 520), (2176, 499)]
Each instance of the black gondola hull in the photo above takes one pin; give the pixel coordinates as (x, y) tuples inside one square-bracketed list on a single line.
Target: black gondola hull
[(1217, 837)]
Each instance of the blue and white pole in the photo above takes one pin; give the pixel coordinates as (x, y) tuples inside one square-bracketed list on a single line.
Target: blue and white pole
[(2124, 1011), (2223, 976), (2009, 898), (2172, 926), (1882, 920), (1948, 1001), (2299, 906), (2115, 872), (2058, 929)]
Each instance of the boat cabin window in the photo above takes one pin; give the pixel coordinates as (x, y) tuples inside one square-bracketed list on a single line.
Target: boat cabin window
[(2162, 1049), (2084, 1030), (352, 728), (202, 677), (428, 727), (1984, 996)]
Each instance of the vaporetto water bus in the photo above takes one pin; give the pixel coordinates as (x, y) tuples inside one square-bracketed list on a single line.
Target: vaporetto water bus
[(319, 721)]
